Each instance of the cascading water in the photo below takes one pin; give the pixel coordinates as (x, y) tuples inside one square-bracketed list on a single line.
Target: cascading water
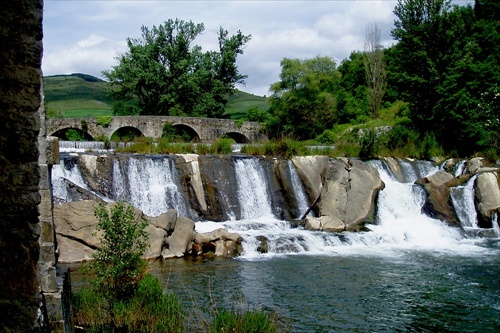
[(149, 184), (459, 168), (252, 191), (400, 218), (401, 225), (462, 198), (68, 170), (298, 189)]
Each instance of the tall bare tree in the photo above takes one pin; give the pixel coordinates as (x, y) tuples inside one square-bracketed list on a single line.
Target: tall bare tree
[(376, 77)]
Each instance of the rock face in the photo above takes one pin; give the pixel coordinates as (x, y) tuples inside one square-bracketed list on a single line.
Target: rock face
[(169, 236), (348, 197)]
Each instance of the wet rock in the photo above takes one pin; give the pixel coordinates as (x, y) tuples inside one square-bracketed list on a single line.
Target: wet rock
[(487, 197), (180, 242)]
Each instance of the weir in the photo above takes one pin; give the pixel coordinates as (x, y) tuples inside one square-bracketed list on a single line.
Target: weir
[(243, 195)]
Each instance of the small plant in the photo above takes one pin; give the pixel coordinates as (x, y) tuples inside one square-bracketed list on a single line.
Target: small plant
[(121, 297), (103, 121)]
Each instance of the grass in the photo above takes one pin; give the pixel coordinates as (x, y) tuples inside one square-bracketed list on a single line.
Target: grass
[(151, 310)]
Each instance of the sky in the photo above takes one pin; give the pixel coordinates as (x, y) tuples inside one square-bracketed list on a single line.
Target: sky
[(86, 36)]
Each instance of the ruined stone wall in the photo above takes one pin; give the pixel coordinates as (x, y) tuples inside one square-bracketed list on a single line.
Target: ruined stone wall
[(20, 106)]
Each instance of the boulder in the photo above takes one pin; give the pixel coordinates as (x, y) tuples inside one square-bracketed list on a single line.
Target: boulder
[(180, 242), (474, 164), (166, 221), (219, 241), (348, 198), (438, 204), (311, 170), (155, 241), (215, 235), (487, 197)]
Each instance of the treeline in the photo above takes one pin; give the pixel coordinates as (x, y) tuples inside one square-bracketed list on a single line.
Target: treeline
[(441, 82), (437, 86)]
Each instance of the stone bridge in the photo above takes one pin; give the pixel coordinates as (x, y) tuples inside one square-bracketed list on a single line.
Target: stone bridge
[(204, 130)]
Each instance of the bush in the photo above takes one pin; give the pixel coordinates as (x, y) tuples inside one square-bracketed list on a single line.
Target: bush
[(103, 121), (118, 265), (222, 146)]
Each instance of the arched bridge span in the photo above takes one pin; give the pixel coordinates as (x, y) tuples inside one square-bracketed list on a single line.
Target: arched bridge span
[(207, 129)]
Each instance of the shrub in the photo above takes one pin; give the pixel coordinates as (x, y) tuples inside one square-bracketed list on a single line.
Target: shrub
[(117, 264), (103, 121), (222, 146)]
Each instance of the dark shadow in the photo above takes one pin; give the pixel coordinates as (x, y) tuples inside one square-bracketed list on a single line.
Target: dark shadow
[(126, 134), (72, 134), (238, 137)]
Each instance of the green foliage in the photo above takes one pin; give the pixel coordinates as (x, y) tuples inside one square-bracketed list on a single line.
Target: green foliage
[(122, 108), (53, 113), (222, 146), (169, 76), (149, 310), (303, 102), (103, 121), (74, 135), (177, 133), (244, 322), (446, 64), (117, 264)]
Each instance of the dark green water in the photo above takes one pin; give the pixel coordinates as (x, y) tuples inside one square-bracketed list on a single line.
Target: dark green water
[(405, 291)]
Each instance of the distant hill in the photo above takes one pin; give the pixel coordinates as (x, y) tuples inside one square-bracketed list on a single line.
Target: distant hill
[(83, 95)]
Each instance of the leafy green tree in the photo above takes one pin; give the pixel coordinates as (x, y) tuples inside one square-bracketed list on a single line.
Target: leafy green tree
[(169, 76), (304, 102), (419, 55), (118, 264), (353, 96)]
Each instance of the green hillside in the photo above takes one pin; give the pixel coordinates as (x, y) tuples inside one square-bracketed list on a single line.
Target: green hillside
[(83, 95), (77, 95)]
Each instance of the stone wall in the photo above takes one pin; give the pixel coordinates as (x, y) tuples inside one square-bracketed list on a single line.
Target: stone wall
[(20, 107)]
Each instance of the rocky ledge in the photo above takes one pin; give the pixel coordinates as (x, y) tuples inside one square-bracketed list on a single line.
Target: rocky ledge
[(170, 235)]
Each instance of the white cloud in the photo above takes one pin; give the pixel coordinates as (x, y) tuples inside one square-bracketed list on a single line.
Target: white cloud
[(86, 36), (90, 56)]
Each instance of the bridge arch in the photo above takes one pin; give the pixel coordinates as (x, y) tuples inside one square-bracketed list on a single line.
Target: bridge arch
[(72, 134), (126, 133), (238, 137), (182, 132)]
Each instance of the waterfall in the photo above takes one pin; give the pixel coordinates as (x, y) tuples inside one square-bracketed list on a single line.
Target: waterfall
[(81, 146), (298, 189), (59, 174), (459, 168), (251, 189), (150, 184), (400, 226), (400, 217), (462, 198)]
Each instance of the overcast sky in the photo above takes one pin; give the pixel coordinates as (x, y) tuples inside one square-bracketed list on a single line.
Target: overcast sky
[(86, 36)]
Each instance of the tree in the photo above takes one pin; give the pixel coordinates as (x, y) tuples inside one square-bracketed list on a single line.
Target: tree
[(169, 76), (118, 263), (376, 77), (420, 55), (303, 103)]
